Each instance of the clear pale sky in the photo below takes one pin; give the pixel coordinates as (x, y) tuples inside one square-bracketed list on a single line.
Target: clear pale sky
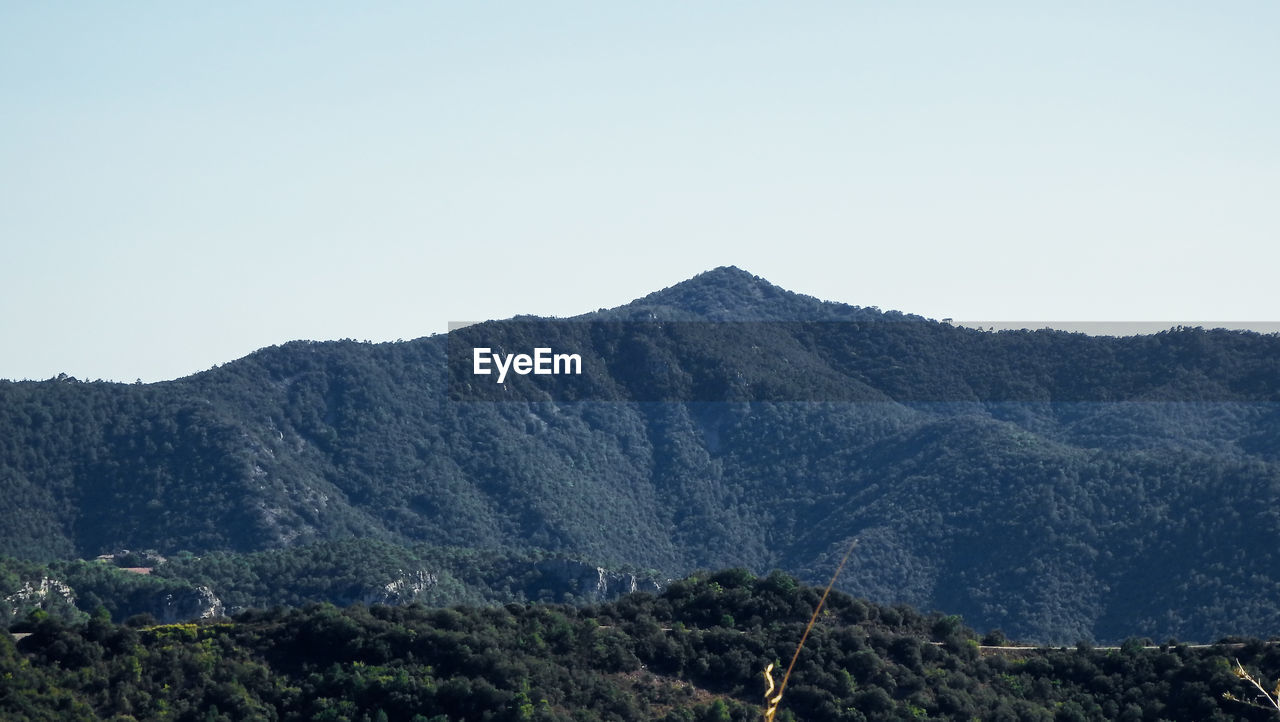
[(182, 183)]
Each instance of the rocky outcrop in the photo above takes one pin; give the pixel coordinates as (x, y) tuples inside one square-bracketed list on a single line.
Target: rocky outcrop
[(589, 583), (40, 594), (404, 589), (197, 603)]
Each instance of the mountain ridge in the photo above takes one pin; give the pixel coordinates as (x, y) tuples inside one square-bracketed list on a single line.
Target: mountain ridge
[(1102, 461)]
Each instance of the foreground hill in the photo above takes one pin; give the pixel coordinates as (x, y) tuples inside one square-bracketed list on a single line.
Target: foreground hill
[(696, 652), (1058, 486)]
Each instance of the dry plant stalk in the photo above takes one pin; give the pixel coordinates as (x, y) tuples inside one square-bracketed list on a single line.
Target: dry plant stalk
[(771, 700), (1272, 697)]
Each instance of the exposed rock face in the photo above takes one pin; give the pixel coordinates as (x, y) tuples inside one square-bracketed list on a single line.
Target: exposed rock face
[(40, 594), (402, 590), (199, 603), (591, 583)]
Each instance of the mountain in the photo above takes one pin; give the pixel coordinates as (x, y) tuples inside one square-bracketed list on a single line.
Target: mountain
[(1055, 485)]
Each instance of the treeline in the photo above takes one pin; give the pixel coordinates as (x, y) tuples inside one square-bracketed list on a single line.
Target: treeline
[(695, 652), (342, 573)]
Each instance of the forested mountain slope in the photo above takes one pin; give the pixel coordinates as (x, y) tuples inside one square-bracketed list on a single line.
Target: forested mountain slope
[(1057, 485)]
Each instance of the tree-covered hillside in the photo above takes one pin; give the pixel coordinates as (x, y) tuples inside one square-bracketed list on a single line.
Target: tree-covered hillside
[(1058, 486), (695, 653), (130, 584)]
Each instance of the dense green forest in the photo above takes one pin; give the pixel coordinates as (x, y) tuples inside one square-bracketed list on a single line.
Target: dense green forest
[(340, 572), (1059, 486), (696, 652)]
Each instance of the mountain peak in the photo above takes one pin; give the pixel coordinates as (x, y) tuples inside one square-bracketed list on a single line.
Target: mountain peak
[(727, 274), (728, 293)]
